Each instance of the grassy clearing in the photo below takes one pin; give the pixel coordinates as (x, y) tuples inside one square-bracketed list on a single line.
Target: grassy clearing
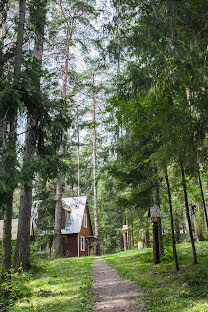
[(62, 285), (166, 289)]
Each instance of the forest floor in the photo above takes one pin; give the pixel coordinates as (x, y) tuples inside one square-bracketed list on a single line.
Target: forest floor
[(114, 294)]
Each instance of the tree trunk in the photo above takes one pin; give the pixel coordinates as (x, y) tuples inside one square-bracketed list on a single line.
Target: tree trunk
[(59, 187), (171, 219), (132, 233), (188, 213), (6, 251), (204, 203), (157, 189), (6, 242), (22, 253), (94, 174), (155, 238), (4, 7), (57, 228), (178, 234), (20, 34), (121, 242), (125, 236), (146, 239), (78, 160)]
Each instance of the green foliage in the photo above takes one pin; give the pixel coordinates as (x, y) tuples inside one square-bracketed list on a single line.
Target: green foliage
[(168, 248), (61, 284), (15, 286)]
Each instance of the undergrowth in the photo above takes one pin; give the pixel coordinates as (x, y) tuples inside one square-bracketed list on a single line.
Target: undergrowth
[(51, 285)]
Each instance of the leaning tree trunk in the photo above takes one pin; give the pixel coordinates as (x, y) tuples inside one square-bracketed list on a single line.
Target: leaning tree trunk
[(171, 219), (94, 174), (11, 160), (22, 252), (188, 214)]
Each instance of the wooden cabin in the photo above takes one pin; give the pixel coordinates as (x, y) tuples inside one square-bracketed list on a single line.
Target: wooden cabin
[(77, 232)]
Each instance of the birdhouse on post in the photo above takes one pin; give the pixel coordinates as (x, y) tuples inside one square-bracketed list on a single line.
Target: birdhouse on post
[(154, 214), (125, 235)]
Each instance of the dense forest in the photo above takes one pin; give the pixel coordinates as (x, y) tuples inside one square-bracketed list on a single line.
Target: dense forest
[(108, 100)]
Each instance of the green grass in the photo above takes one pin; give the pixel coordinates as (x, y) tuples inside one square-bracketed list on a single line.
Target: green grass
[(62, 285), (165, 289)]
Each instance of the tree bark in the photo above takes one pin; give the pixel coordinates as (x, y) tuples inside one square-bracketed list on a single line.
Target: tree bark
[(20, 35), (59, 187), (6, 241), (4, 7), (22, 253), (171, 219), (156, 249), (6, 251), (78, 160), (146, 239), (203, 200), (94, 173), (157, 189), (57, 228), (188, 214)]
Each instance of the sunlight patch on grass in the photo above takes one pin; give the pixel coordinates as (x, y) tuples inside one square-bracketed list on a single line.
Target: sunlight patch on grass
[(61, 285)]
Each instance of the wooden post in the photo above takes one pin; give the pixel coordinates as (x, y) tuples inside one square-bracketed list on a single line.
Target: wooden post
[(125, 235), (154, 213), (125, 242), (156, 250)]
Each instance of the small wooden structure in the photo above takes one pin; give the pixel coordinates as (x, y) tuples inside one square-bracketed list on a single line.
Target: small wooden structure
[(154, 214), (125, 236), (77, 232), (15, 229)]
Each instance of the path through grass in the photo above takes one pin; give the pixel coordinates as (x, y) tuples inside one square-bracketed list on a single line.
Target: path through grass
[(167, 290)]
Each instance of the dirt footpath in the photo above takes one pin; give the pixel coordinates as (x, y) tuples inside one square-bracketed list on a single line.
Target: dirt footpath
[(114, 294)]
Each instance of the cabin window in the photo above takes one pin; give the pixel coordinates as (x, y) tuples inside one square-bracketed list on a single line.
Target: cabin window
[(85, 220), (82, 243)]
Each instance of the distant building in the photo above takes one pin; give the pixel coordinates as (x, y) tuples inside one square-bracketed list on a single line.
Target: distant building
[(77, 232), (15, 229)]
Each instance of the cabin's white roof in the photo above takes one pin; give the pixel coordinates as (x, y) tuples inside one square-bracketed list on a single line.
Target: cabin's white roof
[(74, 219)]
